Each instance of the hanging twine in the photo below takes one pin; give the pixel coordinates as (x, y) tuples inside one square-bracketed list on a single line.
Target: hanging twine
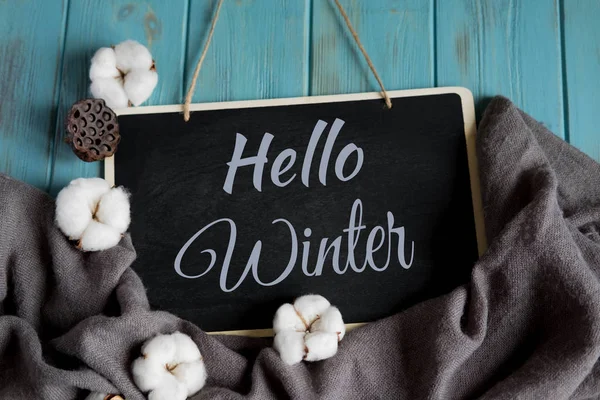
[(388, 101), (190, 93)]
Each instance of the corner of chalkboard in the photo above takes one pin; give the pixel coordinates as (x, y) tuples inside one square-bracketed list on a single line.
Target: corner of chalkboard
[(465, 94)]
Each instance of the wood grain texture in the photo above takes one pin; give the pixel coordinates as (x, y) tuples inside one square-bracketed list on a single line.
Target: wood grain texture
[(397, 35), (506, 47), (582, 73), (157, 24), (31, 48), (270, 48), (259, 50)]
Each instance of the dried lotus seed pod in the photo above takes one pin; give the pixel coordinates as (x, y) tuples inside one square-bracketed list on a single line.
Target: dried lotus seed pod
[(92, 130)]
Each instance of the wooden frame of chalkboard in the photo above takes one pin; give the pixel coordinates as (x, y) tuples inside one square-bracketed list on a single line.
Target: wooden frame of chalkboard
[(469, 131)]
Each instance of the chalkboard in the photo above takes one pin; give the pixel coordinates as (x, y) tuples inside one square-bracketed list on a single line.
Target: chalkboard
[(250, 204)]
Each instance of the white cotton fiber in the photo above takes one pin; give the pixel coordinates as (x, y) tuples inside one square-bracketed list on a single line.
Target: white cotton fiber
[(98, 236), (103, 72), (123, 75), (111, 91), (114, 210), (330, 321), (171, 367), (314, 341), (76, 203), (105, 56), (104, 64), (149, 374), (290, 345), (139, 85), (160, 349), (171, 389), (132, 55), (286, 318), (89, 211), (320, 345), (92, 189), (311, 306), (192, 375), (186, 349), (72, 212)]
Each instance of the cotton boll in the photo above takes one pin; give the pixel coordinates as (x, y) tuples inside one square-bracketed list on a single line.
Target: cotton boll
[(171, 367), (104, 64), (149, 374), (171, 389), (114, 210), (76, 206), (192, 375), (98, 236), (111, 91), (311, 306), (320, 345), (186, 349), (95, 187), (103, 72), (92, 188), (76, 203), (290, 345), (123, 75), (162, 371), (132, 55), (331, 321), (160, 349), (72, 212), (139, 85), (105, 56), (286, 318)]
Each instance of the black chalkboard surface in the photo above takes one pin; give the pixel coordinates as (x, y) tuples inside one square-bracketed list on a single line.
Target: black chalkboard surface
[(250, 204)]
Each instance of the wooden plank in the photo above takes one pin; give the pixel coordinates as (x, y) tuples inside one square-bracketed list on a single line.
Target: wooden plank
[(397, 35), (259, 50), (32, 39), (157, 24), (582, 72), (503, 47)]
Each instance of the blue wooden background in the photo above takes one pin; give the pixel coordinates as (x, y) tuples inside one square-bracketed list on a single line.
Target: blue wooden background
[(543, 54)]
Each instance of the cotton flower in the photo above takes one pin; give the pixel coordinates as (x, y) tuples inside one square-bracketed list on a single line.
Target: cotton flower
[(331, 321), (139, 85), (98, 236), (170, 368), (310, 307), (90, 211), (104, 64), (111, 91), (186, 350), (286, 318), (113, 209), (309, 329), (290, 345), (132, 55), (122, 75), (320, 345)]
